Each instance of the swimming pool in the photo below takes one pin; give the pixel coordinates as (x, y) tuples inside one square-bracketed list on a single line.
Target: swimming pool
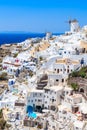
[(32, 115)]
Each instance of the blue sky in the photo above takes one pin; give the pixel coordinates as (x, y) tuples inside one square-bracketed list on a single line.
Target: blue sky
[(40, 15)]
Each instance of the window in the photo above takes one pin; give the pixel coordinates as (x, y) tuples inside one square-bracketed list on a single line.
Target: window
[(55, 69), (31, 100), (67, 70), (52, 100), (35, 100), (65, 52), (57, 80), (40, 94), (39, 100), (61, 70), (62, 80), (35, 94), (28, 100)]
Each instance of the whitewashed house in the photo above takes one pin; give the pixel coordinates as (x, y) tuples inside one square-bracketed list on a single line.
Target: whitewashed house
[(79, 125), (61, 69), (52, 96), (65, 66), (35, 98)]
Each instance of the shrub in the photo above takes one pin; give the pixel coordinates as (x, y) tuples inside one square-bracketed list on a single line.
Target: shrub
[(31, 73), (1, 114), (74, 74), (40, 58), (15, 55), (74, 86), (3, 76), (82, 74)]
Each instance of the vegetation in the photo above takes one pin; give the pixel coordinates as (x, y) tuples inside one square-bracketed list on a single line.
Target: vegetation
[(3, 76), (74, 86), (81, 73), (40, 58), (77, 78), (31, 73), (15, 55)]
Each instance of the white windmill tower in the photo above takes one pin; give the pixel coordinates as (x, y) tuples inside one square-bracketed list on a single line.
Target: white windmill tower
[(74, 25)]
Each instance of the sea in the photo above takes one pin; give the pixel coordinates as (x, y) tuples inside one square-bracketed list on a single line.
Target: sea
[(11, 38)]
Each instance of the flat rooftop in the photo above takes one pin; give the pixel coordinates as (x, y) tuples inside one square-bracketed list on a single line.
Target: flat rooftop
[(54, 88), (67, 61)]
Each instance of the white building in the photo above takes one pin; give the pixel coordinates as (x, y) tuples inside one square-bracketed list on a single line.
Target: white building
[(49, 98), (56, 79), (61, 69), (79, 125), (35, 98), (66, 66), (52, 96), (67, 52), (73, 102), (48, 35)]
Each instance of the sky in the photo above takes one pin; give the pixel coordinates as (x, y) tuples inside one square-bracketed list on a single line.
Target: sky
[(41, 15)]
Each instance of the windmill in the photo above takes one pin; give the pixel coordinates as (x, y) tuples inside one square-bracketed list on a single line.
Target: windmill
[(74, 25), (72, 21)]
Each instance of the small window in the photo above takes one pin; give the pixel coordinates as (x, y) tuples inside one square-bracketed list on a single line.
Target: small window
[(61, 70), (57, 80), (76, 128), (39, 100), (62, 80), (52, 100), (57, 70), (65, 52)]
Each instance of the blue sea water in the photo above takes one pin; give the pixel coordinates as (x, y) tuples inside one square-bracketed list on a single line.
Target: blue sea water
[(19, 37)]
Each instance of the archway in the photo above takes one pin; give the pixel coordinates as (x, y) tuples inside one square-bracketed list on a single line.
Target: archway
[(81, 90), (38, 108)]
